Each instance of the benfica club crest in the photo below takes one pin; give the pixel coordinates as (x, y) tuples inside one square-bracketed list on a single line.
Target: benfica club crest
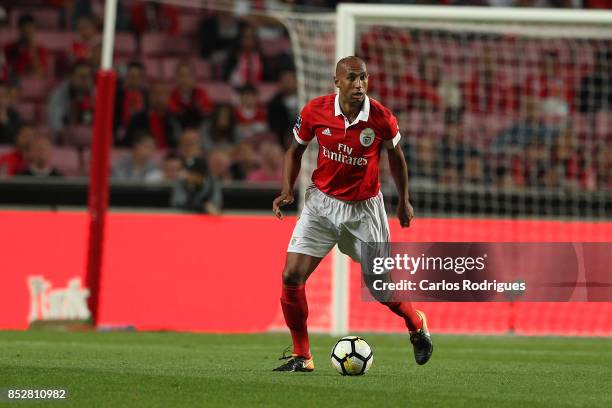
[(366, 137)]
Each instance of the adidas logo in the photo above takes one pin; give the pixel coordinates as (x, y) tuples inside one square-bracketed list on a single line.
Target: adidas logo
[(326, 132)]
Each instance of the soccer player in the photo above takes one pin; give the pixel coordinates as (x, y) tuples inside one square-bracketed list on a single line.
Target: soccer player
[(344, 205)]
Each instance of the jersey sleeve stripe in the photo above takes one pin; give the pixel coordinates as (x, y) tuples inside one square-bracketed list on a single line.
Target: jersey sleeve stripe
[(300, 141), (390, 144), (396, 139)]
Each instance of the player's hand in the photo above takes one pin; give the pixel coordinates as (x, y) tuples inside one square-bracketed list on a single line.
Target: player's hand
[(405, 213), (281, 200)]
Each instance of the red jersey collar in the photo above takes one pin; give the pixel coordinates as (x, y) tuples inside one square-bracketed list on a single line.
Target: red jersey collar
[(364, 114)]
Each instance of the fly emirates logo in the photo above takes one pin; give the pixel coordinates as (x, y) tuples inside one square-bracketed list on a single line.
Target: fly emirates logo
[(343, 155)]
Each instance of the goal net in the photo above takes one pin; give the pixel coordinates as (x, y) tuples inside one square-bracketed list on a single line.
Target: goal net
[(504, 113)]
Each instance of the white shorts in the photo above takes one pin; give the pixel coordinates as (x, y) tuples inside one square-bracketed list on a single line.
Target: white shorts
[(326, 221)]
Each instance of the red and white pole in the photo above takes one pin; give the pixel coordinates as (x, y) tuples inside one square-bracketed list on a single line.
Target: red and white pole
[(100, 152)]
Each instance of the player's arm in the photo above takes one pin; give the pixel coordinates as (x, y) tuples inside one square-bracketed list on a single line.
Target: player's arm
[(291, 169), (399, 171)]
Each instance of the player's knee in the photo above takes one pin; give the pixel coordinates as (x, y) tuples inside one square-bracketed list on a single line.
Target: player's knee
[(294, 275)]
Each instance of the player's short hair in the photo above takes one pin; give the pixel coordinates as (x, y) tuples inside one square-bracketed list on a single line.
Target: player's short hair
[(198, 166), (183, 64), (80, 63), (141, 136), (135, 64), (172, 155)]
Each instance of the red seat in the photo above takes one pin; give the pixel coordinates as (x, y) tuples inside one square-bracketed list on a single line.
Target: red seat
[(117, 154), (66, 160), (125, 44), (200, 67), (274, 46), (46, 18), (56, 41), (189, 23), (33, 88), (28, 111), (220, 92), (153, 68), (7, 35), (267, 90), (78, 136), (159, 45)]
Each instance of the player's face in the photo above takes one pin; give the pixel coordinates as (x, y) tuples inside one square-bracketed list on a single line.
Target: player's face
[(352, 81)]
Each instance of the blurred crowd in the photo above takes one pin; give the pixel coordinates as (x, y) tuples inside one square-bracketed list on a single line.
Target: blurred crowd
[(497, 110), (163, 124), (200, 101)]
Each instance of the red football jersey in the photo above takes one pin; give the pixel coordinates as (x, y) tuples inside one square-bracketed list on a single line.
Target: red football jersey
[(349, 153)]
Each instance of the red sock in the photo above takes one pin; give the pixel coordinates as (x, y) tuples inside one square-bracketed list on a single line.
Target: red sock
[(295, 310), (405, 310)]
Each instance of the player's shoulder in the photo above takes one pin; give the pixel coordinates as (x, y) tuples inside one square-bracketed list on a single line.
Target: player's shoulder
[(322, 102), (378, 110)]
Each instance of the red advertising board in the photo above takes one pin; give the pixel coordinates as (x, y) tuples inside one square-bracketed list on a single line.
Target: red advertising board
[(222, 274)]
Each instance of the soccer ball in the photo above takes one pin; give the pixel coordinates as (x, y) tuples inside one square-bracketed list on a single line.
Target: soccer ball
[(352, 356)]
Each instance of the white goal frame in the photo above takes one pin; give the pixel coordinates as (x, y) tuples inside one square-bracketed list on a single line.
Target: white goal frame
[(347, 17)]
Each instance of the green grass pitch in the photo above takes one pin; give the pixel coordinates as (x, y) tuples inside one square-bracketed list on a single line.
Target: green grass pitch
[(140, 369)]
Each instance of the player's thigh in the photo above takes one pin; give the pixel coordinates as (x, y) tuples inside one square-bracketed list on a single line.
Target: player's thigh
[(369, 228), (313, 235), (298, 267)]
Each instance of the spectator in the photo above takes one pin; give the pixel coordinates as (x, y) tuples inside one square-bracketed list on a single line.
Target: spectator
[(190, 146), (198, 191), (595, 92), (189, 102), (564, 157), (503, 177), (222, 130), (453, 148), (283, 108), (131, 98), (489, 90), (25, 56), (40, 159), (552, 87), (251, 117), (602, 163), (449, 176), (473, 171), (421, 153), (271, 164), (139, 165), (244, 161), (150, 16), (218, 32), (16, 160), (245, 64), (157, 120), (431, 91), (172, 167), (536, 163), (219, 162), (72, 102), (95, 9), (83, 46), (520, 134), (10, 121)]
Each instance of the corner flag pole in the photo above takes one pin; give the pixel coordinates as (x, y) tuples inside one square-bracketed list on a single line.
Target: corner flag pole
[(100, 152)]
